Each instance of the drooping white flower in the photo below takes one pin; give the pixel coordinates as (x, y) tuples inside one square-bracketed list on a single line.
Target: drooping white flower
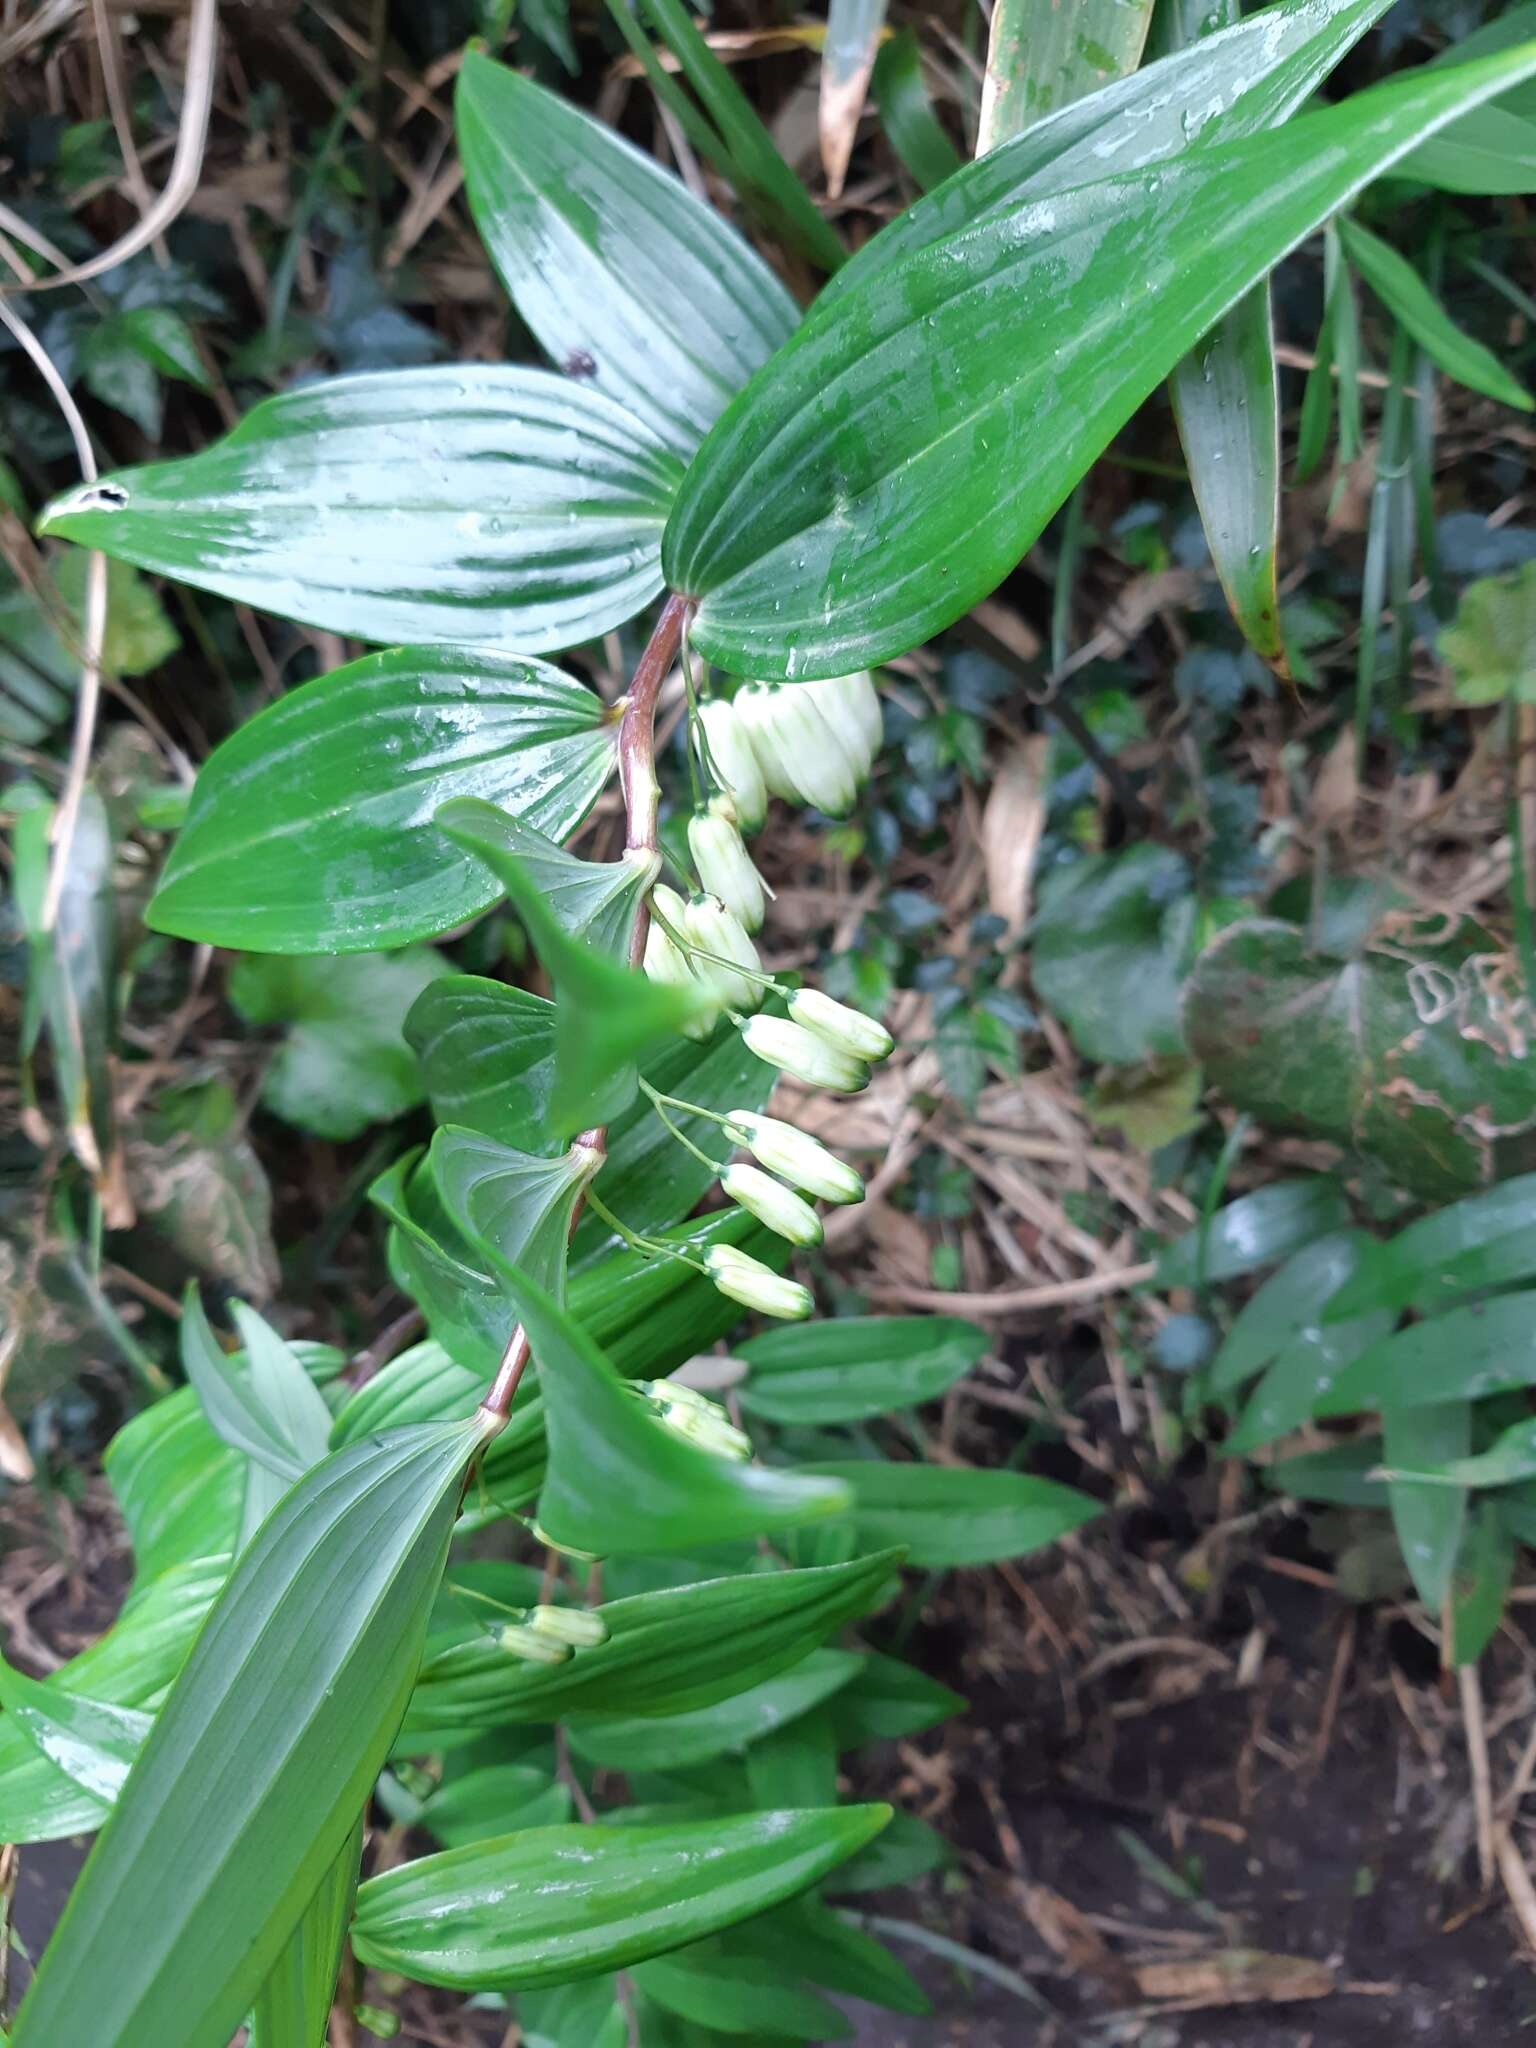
[(848, 1029), (773, 1204), (718, 932), (733, 759), (817, 760), (725, 867), (805, 1054), (851, 707), (795, 1155), (756, 708), (747, 1280), (665, 962)]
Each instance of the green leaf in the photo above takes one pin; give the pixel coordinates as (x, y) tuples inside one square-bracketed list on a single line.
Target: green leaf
[(551, 1904), (139, 634), (1405, 294), (1485, 1347), (887, 1700), (464, 1304), (731, 1993), (606, 1016), (627, 281), (906, 112), (664, 1742), (1430, 1521), (1256, 1230), (311, 827), (1490, 645), (588, 899), (1510, 1457), (1484, 1570), (344, 1063), (360, 505), (177, 1486), (829, 1950), (1494, 152), (795, 1765), (1042, 56), (260, 1760), (1296, 1385), (908, 1849), (851, 503), (130, 1666), (1484, 1240), (951, 1515), (198, 1178), (1110, 945), (856, 1366), (494, 1801), (91, 1741), (514, 1209), (274, 1413), (1435, 1086), (619, 1480), (293, 2007), (1344, 1475), (1289, 1302), (487, 1054), (662, 1655)]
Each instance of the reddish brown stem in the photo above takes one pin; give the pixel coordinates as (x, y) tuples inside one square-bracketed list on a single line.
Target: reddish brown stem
[(642, 792)]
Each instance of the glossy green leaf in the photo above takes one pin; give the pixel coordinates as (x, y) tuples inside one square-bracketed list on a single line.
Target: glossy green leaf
[(1510, 1457), (495, 1801), (1041, 56), (461, 1298), (586, 2011), (795, 1765), (1296, 1384), (1343, 1475), (664, 1742), (906, 112), (1234, 82), (856, 1366), (627, 281), (487, 1054), (1444, 1100), (731, 1993), (91, 1741), (607, 1016), (662, 1656), (129, 1667), (830, 1950), (1401, 289), (1254, 1231), (273, 1412), (177, 1486), (556, 1903), (513, 1208), (887, 1700), (908, 1849), (619, 1480), (1110, 945), (1493, 152), (361, 505), (261, 1758), (886, 470), (1464, 1354), (1484, 1240), (293, 2007), (1430, 1521), (311, 827), (1290, 1301), (952, 1515)]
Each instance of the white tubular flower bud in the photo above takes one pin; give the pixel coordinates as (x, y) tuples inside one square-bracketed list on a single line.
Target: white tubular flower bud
[(733, 760), (755, 706), (663, 962), (805, 1054), (839, 700), (725, 867), (718, 931), (742, 1278), (772, 1203), (849, 1030), (818, 761), (799, 1158), (578, 1627), (860, 694), (531, 1644)]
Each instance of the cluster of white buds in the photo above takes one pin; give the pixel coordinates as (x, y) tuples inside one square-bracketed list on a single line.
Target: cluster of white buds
[(697, 1419), (703, 942), (549, 1635), (822, 1043), (810, 743), (724, 864)]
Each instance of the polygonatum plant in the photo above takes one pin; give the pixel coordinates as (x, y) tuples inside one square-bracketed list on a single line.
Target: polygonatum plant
[(788, 498)]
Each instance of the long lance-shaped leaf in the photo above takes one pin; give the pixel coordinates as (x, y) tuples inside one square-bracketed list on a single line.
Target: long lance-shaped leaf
[(897, 457), (1041, 55), (261, 1759), (293, 2006), (1226, 399), (550, 1904), (479, 505)]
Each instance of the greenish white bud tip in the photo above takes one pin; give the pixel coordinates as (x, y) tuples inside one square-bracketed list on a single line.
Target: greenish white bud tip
[(520, 1639), (805, 1054), (734, 763), (719, 932), (577, 1626), (698, 1420), (849, 1030), (772, 1203), (794, 1155), (725, 867), (742, 1278)]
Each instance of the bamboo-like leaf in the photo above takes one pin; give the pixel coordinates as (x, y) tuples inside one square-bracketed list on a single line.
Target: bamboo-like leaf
[(274, 1413), (627, 280), (293, 2007), (260, 1760), (1399, 286), (360, 505), (1042, 56), (884, 472), (913, 128), (551, 1904)]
